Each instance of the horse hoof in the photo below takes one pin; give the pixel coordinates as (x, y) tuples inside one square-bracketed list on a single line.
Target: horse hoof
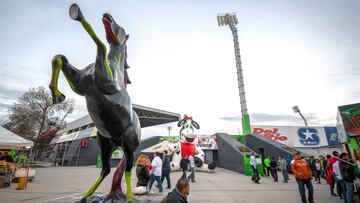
[(58, 99), (83, 200), (75, 12)]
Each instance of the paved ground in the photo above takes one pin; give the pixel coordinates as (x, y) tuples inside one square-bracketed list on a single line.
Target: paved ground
[(65, 184)]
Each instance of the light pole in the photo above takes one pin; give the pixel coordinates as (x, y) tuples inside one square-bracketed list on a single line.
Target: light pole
[(230, 19), (297, 110), (169, 129)]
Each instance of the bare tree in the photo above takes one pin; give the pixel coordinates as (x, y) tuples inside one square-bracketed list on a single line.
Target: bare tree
[(34, 113)]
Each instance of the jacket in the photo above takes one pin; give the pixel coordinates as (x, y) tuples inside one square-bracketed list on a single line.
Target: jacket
[(347, 171), (267, 162), (142, 175), (301, 169), (283, 165), (184, 164), (166, 163), (174, 197)]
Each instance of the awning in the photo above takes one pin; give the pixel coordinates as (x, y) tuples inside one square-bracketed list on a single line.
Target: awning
[(9, 140), (157, 148)]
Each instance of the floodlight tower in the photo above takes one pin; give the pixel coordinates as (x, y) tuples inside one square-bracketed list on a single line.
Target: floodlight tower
[(230, 19), (297, 110)]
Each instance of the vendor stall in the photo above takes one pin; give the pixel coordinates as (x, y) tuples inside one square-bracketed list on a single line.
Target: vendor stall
[(8, 169)]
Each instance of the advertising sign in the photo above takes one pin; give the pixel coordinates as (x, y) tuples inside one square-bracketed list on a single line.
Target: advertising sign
[(349, 120), (207, 142), (332, 136), (299, 136)]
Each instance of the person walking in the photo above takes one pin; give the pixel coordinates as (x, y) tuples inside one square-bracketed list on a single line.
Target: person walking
[(330, 174), (331, 163), (184, 165), (273, 166), (312, 165), (283, 168), (253, 163), (156, 173), (303, 175), (179, 194), (340, 185), (317, 171), (288, 161), (267, 166), (323, 164), (192, 167), (166, 170), (347, 171)]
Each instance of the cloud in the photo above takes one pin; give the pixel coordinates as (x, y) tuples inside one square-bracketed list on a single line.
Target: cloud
[(4, 113)]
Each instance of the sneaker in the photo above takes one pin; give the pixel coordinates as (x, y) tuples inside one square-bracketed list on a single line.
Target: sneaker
[(168, 187), (334, 195)]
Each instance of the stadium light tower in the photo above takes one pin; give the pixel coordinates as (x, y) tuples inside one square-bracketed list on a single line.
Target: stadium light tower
[(297, 110), (230, 19)]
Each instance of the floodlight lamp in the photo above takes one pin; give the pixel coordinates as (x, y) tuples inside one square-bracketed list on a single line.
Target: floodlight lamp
[(296, 109)]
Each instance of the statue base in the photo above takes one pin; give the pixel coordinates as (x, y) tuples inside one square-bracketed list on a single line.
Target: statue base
[(99, 198)]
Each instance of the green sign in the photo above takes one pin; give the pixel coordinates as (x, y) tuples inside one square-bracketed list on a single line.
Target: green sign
[(117, 154)]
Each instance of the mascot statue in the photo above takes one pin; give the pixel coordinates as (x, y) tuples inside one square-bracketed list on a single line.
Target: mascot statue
[(187, 146), (103, 83)]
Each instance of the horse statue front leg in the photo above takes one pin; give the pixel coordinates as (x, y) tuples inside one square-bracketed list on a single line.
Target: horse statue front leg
[(106, 150)]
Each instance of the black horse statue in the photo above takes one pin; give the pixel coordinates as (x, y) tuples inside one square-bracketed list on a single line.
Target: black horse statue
[(103, 84)]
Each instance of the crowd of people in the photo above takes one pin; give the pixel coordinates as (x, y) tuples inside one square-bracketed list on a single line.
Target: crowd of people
[(337, 170), (158, 170)]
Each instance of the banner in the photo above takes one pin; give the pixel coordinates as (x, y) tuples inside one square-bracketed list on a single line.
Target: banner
[(299, 136), (207, 142), (349, 120)]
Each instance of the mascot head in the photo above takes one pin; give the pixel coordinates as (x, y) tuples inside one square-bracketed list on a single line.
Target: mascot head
[(187, 129)]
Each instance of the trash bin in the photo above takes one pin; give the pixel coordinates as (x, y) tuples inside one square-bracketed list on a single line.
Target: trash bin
[(98, 161)]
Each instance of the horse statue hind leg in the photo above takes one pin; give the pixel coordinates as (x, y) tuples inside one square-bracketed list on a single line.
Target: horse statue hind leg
[(72, 75)]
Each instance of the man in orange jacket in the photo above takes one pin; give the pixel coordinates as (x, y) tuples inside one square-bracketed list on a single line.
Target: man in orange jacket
[(303, 175)]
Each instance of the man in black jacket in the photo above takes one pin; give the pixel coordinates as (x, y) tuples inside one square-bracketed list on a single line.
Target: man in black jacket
[(179, 194), (184, 165), (166, 169), (347, 170)]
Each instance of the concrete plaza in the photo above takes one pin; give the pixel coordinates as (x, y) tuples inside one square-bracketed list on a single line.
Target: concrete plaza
[(66, 184)]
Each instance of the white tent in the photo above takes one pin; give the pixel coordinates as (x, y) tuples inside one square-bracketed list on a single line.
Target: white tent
[(157, 148), (9, 140)]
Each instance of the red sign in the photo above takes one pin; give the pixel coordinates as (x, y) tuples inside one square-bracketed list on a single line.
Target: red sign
[(273, 134)]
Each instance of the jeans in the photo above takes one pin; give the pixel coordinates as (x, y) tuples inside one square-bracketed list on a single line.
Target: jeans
[(323, 174), (301, 184), (184, 174), (340, 187), (349, 192), (166, 174), (158, 180), (274, 174), (285, 175), (267, 171), (255, 177), (192, 175)]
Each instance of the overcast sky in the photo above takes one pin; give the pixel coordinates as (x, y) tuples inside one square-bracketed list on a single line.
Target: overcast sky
[(302, 53)]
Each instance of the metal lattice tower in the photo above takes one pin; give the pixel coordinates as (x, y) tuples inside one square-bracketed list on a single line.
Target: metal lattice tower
[(230, 19)]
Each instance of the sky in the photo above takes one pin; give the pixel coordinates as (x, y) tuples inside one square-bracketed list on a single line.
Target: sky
[(303, 53)]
